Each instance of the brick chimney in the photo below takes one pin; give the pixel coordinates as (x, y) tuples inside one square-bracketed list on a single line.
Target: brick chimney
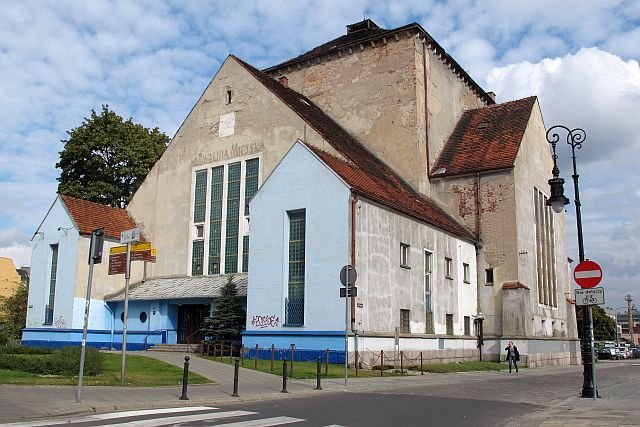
[(284, 81)]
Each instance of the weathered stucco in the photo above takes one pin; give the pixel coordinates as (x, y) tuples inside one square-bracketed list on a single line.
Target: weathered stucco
[(264, 128), (385, 287)]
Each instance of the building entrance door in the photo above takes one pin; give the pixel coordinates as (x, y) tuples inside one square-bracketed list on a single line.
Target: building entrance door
[(190, 319)]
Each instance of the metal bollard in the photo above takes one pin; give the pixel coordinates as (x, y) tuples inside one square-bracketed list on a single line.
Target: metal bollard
[(284, 376), (185, 379), (318, 367), (236, 368)]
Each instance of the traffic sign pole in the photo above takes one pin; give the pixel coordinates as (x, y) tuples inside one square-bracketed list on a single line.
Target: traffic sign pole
[(127, 275)]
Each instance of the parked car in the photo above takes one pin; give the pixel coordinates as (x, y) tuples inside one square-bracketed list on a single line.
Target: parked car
[(607, 353), (623, 352), (635, 352)]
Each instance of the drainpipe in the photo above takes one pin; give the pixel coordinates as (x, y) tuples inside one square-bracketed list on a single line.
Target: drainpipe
[(478, 206), (354, 206), (112, 321), (426, 105)]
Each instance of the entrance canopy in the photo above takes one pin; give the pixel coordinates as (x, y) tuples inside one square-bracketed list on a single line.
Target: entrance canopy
[(176, 288)]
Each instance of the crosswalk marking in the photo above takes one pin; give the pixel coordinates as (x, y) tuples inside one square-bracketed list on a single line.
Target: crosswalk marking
[(265, 422), (111, 415), (155, 422)]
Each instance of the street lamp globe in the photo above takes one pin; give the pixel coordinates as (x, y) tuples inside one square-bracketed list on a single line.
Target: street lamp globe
[(557, 200)]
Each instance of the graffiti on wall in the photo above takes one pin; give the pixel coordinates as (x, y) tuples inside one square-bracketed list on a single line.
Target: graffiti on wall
[(270, 321)]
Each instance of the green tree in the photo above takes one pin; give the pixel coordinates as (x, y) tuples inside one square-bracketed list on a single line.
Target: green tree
[(13, 313), (229, 318), (604, 327), (106, 158)]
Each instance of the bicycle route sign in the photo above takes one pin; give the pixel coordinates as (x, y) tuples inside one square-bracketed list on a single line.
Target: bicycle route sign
[(593, 296), (587, 274)]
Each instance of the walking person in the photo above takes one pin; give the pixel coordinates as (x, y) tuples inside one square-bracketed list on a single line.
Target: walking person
[(513, 356)]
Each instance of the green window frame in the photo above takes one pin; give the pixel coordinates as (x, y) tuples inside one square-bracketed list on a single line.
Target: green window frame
[(197, 258), (200, 197), (252, 169), (53, 278), (294, 313), (215, 219), (234, 173)]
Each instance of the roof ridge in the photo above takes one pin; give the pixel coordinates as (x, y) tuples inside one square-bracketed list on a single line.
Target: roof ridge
[(90, 201)]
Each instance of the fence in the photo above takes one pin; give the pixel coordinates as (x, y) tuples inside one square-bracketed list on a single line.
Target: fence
[(267, 357)]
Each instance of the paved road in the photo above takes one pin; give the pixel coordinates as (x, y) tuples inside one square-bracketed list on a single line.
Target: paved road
[(533, 397)]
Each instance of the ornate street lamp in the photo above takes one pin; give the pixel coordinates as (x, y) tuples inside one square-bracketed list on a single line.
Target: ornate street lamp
[(557, 201)]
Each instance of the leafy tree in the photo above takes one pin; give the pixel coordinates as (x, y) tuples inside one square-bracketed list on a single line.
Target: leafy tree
[(13, 313), (604, 327), (106, 158), (229, 318)]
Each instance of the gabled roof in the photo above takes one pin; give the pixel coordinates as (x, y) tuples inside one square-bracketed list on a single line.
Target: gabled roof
[(181, 288), (89, 216), (367, 32), (363, 171), (485, 139)]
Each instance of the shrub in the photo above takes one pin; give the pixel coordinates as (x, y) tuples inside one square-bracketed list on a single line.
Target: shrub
[(62, 362), (25, 350), (66, 361)]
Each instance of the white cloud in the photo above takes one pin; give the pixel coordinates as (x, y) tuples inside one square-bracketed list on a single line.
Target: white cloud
[(12, 246), (599, 92)]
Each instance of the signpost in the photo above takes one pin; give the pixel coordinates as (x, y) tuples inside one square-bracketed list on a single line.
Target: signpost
[(348, 277), (587, 274)]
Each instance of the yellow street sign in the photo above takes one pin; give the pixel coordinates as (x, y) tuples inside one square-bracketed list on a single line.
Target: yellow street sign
[(136, 247)]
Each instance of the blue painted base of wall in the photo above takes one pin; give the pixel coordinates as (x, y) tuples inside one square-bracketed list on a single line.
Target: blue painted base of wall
[(309, 345), (101, 339), (95, 344)]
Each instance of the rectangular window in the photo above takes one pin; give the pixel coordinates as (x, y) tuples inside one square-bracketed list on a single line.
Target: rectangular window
[(448, 274), (449, 321), (221, 223), (233, 218), (404, 321), (467, 325), (53, 277), (215, 218), (545, 252), (404, 255), (488, 276), (294, 310), (466, 273), (197, 258), (200, 197), (428, 304), (245, 254), (251, 182)]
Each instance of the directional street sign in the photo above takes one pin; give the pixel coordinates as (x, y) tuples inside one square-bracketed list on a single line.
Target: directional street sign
[(593, 296), (130, 236), (353, 292), (139, 252), (587, 274)]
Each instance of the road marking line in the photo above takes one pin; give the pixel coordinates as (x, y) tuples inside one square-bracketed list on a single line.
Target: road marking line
[(265, 422), (110, 415), (156, 422)]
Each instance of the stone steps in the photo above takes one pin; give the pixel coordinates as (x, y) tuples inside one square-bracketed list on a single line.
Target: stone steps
[(176, 348)]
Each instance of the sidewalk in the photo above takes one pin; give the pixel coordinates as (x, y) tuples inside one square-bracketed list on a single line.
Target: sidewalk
[(619, 407)]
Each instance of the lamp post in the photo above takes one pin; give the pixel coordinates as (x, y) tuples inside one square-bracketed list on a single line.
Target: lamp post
[(557, 201)]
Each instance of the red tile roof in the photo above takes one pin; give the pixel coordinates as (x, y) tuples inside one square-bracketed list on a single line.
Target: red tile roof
[(89, 216), (485, 139), (363, 171)]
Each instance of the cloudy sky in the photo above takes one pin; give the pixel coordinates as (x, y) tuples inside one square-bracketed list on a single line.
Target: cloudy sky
[(151, 60)]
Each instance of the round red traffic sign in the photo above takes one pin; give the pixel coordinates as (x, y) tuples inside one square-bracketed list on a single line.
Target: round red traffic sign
[(587, 274)]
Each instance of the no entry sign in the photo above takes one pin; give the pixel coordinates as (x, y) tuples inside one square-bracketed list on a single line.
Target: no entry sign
[(587, 274)]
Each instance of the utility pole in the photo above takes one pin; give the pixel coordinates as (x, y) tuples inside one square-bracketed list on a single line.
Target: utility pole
[(629, 300)]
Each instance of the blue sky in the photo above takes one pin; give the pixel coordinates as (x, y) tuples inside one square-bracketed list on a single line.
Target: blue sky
[(151, 60)]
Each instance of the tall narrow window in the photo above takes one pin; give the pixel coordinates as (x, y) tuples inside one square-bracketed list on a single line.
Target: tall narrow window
[(215, 218), (449, 322), (448, 274), (404, 255), (466, 273), (488, 276), (294, 315), (250, 182), (467, 325), (545, 252), (245, 254), (428, 304), (233, 218), (199, 212), (200, 197), (404, 321), (53, 276)]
